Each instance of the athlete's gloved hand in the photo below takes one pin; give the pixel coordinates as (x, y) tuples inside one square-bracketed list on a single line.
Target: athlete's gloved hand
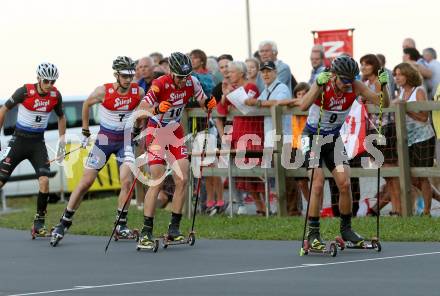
[(323, 78), (86, 138), (210, 103), (162, 108), (61, 151), (383, 77)]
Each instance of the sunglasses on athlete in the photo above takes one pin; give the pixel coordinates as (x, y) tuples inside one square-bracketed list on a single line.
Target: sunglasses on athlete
[(345, 80), (126, 76), (47, 81), (181, 77)]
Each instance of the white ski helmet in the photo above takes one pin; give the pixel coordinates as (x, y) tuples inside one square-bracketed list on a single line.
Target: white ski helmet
[(47, 71)]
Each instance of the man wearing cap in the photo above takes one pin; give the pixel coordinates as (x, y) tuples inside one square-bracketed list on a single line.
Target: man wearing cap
[(274, 91)]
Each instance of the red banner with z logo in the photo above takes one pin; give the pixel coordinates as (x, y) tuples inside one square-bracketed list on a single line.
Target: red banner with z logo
[(335, 42)]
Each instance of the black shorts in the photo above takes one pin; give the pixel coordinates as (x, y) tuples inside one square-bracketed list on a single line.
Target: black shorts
[(389, 150), (21, 148), (422, 154), (326, 155)]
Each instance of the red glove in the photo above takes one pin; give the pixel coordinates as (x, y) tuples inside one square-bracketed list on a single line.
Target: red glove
[(163, 107), (210, 103)]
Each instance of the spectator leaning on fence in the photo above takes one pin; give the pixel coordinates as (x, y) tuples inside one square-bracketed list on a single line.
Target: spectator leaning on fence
[(268, 51), (213, 184), (244, 126), (370, 66), (217, 92), (421, 137), (273, 93)]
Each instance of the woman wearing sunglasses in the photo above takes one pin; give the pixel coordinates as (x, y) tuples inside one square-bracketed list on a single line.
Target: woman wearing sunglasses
[(117, 102), (35, 103), (330, 99)]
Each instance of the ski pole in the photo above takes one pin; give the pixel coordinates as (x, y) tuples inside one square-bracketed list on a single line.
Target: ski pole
[(302, 252), (205, 140)]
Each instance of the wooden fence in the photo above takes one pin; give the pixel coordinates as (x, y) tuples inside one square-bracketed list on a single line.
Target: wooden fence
[(403, 171)]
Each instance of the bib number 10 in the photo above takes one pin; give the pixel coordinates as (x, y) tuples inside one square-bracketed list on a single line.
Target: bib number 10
[(175, 112)]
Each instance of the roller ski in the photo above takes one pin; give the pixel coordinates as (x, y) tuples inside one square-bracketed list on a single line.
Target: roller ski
[(351, 240), (314, 244), (175, 237), (123, 232), (38, 228), (147, 242), (58, 234)]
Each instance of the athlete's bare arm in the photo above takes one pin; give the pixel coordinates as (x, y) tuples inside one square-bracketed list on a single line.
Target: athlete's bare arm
[(145, 106), (308, 99), (62, 126), (97, 96), (372, 97)]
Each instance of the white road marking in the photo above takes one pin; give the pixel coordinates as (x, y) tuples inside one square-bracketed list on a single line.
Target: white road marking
[(224, 274)]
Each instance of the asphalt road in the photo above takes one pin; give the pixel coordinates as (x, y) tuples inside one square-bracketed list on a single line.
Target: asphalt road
[(79, 266)]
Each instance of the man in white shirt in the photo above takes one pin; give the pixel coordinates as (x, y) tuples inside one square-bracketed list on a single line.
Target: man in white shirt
[(274, 91)]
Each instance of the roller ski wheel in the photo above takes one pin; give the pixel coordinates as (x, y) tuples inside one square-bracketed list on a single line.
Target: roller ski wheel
[(191, 239), (126, 234), (375, 243), (326, 249)]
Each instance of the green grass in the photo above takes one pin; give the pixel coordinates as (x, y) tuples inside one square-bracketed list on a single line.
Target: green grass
[(96, 217)]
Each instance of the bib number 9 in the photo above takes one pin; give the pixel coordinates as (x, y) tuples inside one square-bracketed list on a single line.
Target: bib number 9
[(333, 118)]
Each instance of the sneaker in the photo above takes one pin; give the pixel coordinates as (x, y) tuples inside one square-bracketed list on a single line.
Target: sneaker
[(242, 210), (211, 211), (123, 231), (314, 238), (174, 233), (147, 239), (349, 235), (38, 226)]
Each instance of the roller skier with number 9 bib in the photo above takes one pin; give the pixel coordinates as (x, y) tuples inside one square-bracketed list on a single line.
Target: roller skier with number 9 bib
[(330, 99), (118, 101)]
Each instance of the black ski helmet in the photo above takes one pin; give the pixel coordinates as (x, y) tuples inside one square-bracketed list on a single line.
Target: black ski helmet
[(180, 64), (345, 67)]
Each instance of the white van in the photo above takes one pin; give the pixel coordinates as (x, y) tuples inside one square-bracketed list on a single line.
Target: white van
[(23, 181)]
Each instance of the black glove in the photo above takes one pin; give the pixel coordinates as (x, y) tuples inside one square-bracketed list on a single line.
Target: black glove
[(136, 132)]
